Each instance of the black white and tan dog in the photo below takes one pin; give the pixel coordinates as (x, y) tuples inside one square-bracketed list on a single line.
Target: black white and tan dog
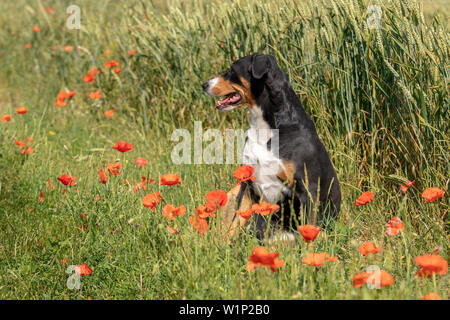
[(298, 175)]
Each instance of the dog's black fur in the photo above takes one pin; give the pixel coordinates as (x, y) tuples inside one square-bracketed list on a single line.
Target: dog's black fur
[(298, 143)]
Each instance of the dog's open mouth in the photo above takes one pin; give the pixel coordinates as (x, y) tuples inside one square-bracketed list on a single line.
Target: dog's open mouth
[(231, 99)]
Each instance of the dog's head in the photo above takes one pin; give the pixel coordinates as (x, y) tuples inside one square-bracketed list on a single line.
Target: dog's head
[(244, 82)]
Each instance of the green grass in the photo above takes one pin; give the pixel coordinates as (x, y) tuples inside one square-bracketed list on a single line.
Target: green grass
[(379, 101)]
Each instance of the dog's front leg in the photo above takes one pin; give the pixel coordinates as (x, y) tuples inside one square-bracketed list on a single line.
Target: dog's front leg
[(238, 199)]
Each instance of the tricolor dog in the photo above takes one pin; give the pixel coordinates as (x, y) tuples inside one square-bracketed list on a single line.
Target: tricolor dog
[(292, 166)]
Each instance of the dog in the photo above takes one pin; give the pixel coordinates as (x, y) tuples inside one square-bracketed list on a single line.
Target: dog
[(292, 166)]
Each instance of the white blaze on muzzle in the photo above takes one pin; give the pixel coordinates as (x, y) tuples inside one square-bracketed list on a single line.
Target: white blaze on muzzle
[(211, 84)]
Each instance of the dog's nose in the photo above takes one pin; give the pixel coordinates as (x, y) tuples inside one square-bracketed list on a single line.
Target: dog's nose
[(205, 85)]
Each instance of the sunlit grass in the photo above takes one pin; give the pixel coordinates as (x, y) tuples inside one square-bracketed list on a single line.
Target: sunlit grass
[(375, 133)]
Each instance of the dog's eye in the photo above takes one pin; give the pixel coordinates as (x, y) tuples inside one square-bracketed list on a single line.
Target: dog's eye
[(234, 77)]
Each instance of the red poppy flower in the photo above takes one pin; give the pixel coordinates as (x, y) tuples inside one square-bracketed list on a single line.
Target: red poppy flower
[(172, 230), (95, 71), (369, 247), (431, 264), (151, 200), (309, 232), (68, 48), (83, 270), (244, 173), (204, 212), (262, 257), (432, 194), (111, 64), (378, 278), (199, 224), (247, 214), (36, 29), (141, 162), (265, 208), (90, 77), (70, 94), (6, 118), (62, 95), (41, 196), (103, 176), (28, 150), (317, 259), (169, 179), (139, 186), (170, 211), (215, 199), (60, 103), (123, 146), (64, 261), (21, 110), (109, 113), (365, 198), (431, 296), (31, 139), (114, 168), (131, 52), (116, 70), (67, 180), (360, 279), (51, 11), (408, 184), (28, 46), (20, 143), (395, 225), (145, 180), (96, 95)]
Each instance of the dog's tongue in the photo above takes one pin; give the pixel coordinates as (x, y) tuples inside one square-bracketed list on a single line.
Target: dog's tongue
[(231, 98)]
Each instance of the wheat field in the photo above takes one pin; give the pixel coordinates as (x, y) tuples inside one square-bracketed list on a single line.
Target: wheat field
[(376, 88)]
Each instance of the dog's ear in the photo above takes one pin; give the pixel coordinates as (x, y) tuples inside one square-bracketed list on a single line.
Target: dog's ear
[(261, 65)]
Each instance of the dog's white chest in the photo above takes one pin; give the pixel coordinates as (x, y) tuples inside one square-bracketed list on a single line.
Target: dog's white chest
[(266, 163)]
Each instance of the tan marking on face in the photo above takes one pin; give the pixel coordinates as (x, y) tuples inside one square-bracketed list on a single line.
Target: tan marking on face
[(287, 174), (224, 87), (246, 93)]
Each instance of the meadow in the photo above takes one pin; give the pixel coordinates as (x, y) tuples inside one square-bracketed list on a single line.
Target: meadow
[(377, 90)]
